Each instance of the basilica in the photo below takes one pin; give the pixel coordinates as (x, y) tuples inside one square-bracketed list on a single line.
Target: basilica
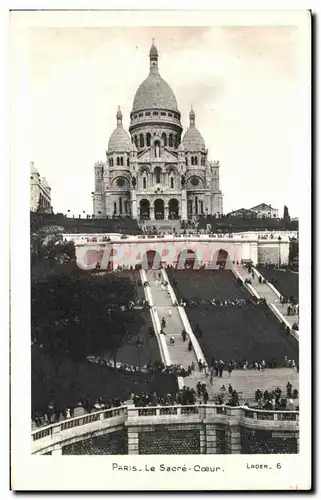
[(155, 172)]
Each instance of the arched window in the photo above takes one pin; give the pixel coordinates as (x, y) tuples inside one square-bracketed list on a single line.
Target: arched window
[(157, 149), (144, 182), (126, 207), (172, 182), (170, 140), (195, 160), (136, 141), (122, 161), (196, 205), (148, 137), (141, 140), (201, 207), (190, 206), (127, 162), (118, 161), (164, 138), (158, 172), (115, 208), (120, 206), (112, 161), (186, 161), (192, 160)]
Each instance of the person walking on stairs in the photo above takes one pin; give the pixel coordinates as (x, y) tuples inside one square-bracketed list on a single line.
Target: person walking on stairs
[(170, 312), (190, 345), (163, 323), (184, 335)]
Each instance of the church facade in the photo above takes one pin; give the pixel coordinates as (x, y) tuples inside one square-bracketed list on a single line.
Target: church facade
[(155, 172)]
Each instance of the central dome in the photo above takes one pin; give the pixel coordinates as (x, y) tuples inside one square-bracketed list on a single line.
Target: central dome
[(154, 92)]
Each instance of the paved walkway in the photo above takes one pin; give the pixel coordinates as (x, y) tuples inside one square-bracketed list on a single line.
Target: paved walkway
[(178, 353), (265, 292), (247, 381)]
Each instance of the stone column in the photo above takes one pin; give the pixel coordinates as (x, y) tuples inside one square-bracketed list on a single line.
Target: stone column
[(151, 212), (166, 211), (234, 441), (253, 252), (202, 442), (133, 447), (183, 212), (134, 204), (210, 439)]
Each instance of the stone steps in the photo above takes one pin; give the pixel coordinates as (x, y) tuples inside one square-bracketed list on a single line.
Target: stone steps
[(247, 381), (178, 353), (265, 292)]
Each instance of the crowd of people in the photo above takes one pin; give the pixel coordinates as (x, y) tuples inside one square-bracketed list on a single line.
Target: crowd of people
[(54, 414), (273, 400), (148, 368)]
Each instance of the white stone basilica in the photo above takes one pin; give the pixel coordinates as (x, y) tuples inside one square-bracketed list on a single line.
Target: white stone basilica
[(154, 173)]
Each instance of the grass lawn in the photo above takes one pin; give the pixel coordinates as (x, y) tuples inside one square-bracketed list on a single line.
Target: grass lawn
[(231, 332), (65, 382), (287, 281)]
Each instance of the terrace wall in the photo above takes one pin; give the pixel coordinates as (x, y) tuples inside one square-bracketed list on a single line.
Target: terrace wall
[(172, 430), (131, 250)]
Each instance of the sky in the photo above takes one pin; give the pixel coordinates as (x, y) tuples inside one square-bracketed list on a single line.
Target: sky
[(243, 84)]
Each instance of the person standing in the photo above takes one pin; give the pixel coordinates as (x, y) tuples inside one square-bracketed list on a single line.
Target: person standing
[(170, 312)]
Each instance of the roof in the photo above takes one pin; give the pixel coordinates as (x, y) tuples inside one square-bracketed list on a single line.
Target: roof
[(119, 140), (193, 140), (154, 92), (262, 206), (33, 169)]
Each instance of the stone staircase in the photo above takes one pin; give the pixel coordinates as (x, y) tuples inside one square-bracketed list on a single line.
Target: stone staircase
[(245, 382), (265, 292), (178, 353), (165, 225)]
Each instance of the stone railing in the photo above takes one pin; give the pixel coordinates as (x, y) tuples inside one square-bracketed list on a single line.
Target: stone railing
[(249, 287), (76, 429), (72, 423), (163, 349)]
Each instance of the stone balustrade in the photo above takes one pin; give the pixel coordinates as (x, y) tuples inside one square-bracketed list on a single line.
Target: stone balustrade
[(54, 437)]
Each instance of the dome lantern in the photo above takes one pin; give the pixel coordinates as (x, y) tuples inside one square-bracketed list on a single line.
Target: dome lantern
[(153, 57), (119, 116), (192, 117)]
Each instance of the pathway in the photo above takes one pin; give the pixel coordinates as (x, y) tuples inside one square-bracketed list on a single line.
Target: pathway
[(247, 381), (178, 353), (265, 292)]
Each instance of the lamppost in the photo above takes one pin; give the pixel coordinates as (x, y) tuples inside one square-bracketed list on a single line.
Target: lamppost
[(279, 238), (139, 345)]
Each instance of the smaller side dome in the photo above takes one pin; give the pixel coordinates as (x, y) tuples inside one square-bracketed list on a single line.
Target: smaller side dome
[(181, 147), (119, 140), (193, 140)]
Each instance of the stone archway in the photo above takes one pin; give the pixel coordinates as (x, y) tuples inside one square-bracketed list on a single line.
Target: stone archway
[(222, 258), (173, 208), (151, 260), (159, 209), (144, 207), (187, 259)]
